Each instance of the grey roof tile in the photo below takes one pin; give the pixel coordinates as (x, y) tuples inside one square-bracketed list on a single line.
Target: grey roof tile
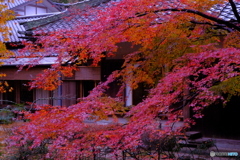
[(60, 21), (16, 26), (12, 4), (225, 11)]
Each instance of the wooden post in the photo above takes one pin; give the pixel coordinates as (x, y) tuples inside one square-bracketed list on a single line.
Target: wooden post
[(129, 98)]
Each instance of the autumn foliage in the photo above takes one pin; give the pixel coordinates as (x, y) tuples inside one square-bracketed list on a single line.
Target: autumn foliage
[(4, 30), (4, 53), (187, 55)]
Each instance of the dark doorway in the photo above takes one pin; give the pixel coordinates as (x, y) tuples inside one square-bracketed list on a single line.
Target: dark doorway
[(221, 122)]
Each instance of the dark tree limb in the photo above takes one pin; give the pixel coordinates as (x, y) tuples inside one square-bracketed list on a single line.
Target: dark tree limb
[(218, 26), (231, 25)]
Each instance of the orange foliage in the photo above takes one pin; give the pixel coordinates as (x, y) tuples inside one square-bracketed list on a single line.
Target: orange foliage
[(179, 51)]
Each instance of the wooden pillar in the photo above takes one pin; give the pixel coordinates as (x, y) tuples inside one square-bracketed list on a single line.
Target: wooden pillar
[(186, 112), (129, 96)]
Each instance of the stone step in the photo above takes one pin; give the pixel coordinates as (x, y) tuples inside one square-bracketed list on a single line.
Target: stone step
[(191, 135)]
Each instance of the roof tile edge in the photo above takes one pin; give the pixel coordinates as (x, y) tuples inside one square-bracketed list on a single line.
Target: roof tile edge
[(42, 21)]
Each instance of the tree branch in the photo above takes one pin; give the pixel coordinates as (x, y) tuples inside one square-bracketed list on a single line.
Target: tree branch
[(218, 20), (217, 26)]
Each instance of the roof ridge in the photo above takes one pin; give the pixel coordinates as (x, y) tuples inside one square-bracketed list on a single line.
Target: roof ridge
[(43, 20), (82, 3), (69, 4), (28, 25)]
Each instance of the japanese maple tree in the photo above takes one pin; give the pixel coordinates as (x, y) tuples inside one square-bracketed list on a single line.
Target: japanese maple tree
[(187, 55), (5, 15)]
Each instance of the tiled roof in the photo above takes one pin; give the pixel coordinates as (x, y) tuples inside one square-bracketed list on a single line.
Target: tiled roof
[(225, 11), (13, 4), (66, 5), (29, 61), (52, 23), (16, 27), (46, 22), (35, 23), (27, 58), (60, 21)]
